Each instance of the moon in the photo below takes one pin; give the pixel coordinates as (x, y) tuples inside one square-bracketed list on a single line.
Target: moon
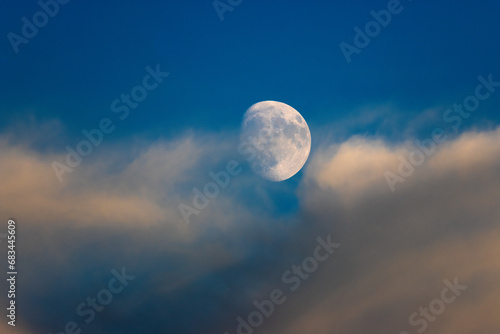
[(279, 139)]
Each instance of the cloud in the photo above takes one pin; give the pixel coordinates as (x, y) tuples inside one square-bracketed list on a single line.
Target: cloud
[(357, 166), (140, 189), (351, 167), (398, 248), (384, 293), (119, 208), (18, 329)]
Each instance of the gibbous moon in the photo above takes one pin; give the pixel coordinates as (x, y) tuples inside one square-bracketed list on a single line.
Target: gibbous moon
[(280, 139)]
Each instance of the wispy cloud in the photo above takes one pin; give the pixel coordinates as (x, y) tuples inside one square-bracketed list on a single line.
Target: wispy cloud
[(120, 209)]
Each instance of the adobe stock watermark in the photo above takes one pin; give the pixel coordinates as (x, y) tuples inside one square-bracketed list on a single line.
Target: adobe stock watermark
[(220, 180), (120, 106), (30, 28), (104, 297), (3, 235), (372, 29), (292, 278), (436, 307), (454, 117), (222, 7)]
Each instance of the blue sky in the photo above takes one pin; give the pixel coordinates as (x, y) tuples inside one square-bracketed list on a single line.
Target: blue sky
[(119, 206), (429, 55)]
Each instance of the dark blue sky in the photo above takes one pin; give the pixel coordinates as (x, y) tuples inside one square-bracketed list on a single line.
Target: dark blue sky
[(88, 54)]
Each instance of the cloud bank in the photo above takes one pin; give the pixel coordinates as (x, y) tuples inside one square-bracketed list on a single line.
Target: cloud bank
[(119, 209)]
